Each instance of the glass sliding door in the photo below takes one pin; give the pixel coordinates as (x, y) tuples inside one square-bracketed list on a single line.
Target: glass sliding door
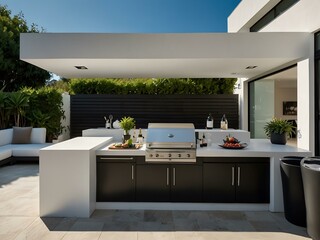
[(261, 106)]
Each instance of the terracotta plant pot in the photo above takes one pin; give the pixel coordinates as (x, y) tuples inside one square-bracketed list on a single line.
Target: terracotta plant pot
[(277, 138)]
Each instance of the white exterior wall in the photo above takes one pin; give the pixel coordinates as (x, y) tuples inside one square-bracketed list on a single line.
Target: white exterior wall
[(247, 13), (301, 17)]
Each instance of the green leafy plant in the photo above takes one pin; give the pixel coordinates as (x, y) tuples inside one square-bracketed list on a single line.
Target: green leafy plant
[(127, 123), (4, 114), (38, 118), (46, 110), (17, 103), (279, 126)]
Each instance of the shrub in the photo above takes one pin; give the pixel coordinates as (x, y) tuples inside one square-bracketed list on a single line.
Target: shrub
[(163, 86), (45, 110)]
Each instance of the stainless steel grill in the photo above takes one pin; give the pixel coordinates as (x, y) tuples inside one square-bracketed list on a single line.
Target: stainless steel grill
[(171, 142)]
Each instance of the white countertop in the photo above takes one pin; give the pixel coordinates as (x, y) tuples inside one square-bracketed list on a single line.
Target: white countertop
[(121, 152), (256, 148), (80, 143)]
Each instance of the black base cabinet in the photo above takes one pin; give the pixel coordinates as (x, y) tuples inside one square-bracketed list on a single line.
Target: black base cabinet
[(218, 183), (153, 183), (211, 179), (186, 185), (169, 183), (115, 179), (253, 183), (236, 181)]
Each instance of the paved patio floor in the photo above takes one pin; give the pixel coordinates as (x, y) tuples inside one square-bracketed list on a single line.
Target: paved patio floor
[(19, 203)]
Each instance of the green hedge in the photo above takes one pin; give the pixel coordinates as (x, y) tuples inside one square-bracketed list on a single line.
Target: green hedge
[(153, 86), (45, 110)]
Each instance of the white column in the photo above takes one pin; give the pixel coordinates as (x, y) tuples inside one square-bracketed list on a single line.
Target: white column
[(305, 88)]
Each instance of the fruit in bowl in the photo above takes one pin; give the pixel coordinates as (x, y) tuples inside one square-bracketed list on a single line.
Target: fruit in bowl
[(230, 139), (232, 143)]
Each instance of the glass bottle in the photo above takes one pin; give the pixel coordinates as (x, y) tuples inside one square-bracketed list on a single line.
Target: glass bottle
[(224, 122), (140, 137), (209, 122)]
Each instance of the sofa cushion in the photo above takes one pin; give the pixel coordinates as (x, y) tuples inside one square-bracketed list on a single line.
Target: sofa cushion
[(5, 136), (27, 150), (21, 135), (38, 135), (5, 152)]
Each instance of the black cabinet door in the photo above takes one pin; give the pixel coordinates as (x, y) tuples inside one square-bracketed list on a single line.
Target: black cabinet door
[(252, 182), (153, 183), (115, 182), (219, 182), (186, 183)]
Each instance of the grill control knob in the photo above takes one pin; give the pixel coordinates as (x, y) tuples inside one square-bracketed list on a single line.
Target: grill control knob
[(157, 155), (188, 155), (179, 155), (169, 155), (151, 155)]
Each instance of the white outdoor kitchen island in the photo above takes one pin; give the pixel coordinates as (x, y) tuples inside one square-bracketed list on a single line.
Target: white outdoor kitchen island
[(68, 176)]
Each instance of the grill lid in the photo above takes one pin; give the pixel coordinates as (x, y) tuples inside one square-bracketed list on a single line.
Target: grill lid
[(171, 135)]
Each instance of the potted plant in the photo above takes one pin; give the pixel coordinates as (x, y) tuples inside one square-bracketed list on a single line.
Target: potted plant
[(278, 130), (127, 123)]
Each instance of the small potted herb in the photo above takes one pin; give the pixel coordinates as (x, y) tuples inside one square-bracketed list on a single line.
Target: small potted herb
[(278, 130), (127, 123)]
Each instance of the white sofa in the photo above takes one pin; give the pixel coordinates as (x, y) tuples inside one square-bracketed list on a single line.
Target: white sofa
[(11, 152)]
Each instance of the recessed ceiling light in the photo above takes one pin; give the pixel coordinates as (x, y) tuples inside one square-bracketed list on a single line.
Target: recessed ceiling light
[(81, 67), (234, 73), (251, 67)]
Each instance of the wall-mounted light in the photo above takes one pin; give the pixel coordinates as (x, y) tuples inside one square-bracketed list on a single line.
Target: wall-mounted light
[(251, 67), (81, 67)]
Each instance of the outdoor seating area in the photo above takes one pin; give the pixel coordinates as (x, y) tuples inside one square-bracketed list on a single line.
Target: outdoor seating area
[(21, 144), (19, 218)]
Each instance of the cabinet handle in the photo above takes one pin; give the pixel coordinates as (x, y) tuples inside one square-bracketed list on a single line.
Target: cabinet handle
[(239, 176), (232, 180), (167, 176), (132, 172), (113, 158), (174, 176)]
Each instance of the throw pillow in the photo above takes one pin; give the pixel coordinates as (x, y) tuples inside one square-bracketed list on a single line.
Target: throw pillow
[(21, 135)]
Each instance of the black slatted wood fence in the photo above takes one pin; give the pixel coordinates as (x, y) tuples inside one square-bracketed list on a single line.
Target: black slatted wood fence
[(87, 111)]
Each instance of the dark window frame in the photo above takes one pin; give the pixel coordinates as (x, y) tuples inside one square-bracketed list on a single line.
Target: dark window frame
[(274, 12), (317, 92)]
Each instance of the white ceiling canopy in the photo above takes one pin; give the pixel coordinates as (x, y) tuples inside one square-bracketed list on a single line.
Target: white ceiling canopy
[(87, 55)]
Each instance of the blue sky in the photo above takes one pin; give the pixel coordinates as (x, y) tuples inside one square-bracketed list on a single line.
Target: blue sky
[(126, 16)]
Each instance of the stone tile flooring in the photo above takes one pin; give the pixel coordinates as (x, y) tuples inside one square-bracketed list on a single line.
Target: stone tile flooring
[(19, 201)]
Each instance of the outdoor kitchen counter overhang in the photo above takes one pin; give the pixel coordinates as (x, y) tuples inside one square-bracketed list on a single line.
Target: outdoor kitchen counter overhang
[(163, 55)]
